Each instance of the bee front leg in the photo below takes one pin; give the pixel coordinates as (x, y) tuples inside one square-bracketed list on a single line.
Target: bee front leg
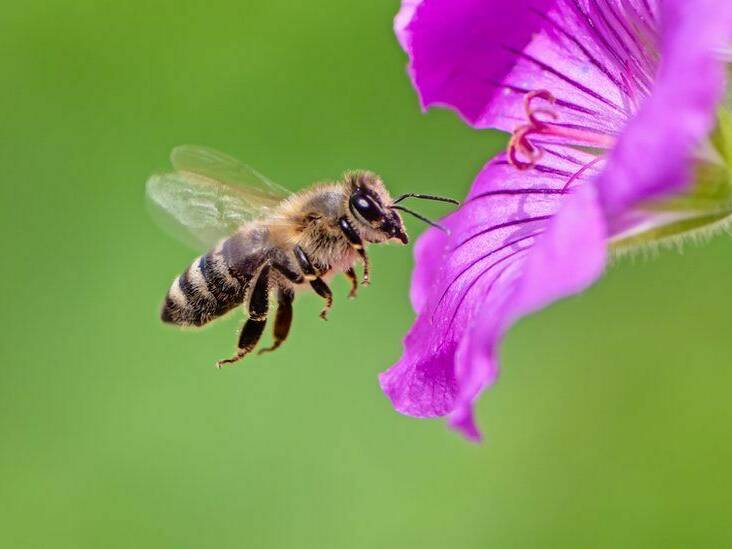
[(253, 328), (357, 244), (316, 283)]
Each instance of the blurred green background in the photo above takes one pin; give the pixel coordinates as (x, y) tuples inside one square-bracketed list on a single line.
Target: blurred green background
[(610, 426)]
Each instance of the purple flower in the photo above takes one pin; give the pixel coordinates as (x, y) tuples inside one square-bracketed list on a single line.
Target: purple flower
[(619, 138)]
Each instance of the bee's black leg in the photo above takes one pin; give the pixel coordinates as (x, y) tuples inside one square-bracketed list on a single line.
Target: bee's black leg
[(322, 289), (289, 274), (253, 328), (351, 275), (356, 244), (283, 319), (317, 283)]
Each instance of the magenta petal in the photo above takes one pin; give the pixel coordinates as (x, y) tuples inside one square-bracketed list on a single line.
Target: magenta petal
[(599, 58), (456, 47), (402, 20), (505, 256), (569, 255), (639, 79), (654, 154), (481, 57), (429, 250), (565, 260)]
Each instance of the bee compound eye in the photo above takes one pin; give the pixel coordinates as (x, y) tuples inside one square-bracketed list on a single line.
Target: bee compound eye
[(365, 207)]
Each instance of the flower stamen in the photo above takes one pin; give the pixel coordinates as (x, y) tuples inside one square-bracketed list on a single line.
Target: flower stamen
[(525, 154)]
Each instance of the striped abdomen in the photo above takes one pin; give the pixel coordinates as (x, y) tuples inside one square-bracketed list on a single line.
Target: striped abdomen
[(204, 292)]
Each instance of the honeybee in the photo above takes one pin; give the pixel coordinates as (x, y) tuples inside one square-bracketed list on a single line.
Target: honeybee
[(263, 239)]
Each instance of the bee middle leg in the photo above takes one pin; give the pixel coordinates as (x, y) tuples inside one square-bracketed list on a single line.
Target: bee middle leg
[(283, 319), (357, 244), (316, 283), (254, 326)]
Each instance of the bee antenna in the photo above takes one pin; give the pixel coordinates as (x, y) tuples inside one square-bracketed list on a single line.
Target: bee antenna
[(420, 217), (427, 197)]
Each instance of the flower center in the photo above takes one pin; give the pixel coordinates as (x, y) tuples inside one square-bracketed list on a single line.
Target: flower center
[(524, 153)]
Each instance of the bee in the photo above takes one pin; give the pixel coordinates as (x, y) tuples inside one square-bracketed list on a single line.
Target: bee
[(263, 239)]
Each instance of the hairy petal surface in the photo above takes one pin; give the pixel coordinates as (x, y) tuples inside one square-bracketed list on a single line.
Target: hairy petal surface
[(507, 254)]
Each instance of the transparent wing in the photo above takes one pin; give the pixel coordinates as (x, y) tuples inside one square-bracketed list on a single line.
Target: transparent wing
[(225, 169), (209, 196)]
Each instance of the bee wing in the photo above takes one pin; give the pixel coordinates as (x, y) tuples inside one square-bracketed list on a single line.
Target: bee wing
[(209, 196), (260, 191)]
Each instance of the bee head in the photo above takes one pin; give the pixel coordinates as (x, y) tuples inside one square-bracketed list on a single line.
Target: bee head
[(370, 204)]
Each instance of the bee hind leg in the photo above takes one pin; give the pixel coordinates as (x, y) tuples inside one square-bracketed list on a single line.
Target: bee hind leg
[(322, 289), (351, 275), (254, 326), (283, 319)]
